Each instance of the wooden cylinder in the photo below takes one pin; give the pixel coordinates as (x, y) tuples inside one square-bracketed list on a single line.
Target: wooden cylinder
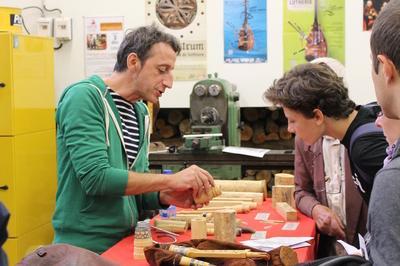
[(138, 247), (188, 217), (284, 179), (198, 228), (205, 197), (246, 133), (225, 225), (243, 186), (246, 205), (171, 225), (256, 196)]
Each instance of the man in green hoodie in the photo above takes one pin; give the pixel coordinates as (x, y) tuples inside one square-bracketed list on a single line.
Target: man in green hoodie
[(102, 147)]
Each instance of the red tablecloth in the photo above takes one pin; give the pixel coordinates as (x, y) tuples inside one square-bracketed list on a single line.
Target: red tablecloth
[(122, 252)]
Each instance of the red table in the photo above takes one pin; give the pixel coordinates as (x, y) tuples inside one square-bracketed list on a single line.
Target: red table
[(122, 252)]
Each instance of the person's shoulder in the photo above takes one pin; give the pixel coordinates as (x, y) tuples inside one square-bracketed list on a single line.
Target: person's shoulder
[(389, 174), (83, 89)]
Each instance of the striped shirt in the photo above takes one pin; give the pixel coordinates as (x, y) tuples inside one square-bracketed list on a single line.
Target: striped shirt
[(130, 129)]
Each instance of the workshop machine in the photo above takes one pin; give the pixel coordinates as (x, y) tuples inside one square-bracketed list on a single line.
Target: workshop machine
[(215, 121)]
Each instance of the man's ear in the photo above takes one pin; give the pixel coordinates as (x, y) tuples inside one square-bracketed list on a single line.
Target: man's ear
[(388, 68), (318, 116), (133, 62)]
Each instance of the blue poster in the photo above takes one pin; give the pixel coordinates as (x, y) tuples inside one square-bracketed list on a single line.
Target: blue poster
[(245, 31)]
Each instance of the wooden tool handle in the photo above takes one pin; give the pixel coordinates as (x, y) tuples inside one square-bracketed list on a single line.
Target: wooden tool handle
[(196, 253), (185, 261)]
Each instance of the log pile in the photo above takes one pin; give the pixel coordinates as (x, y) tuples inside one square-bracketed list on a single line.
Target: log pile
[(261, 125), (171, 123)]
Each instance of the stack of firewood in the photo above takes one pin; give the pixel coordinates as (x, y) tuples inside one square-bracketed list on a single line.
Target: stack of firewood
[(261, 125), (172, 123)]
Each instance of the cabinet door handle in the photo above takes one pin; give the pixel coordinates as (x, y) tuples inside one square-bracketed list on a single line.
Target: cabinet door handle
[(5, 187), (2, 84)]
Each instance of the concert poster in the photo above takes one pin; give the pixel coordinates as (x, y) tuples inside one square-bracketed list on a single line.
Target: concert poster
[(313, 29), (245, 31)]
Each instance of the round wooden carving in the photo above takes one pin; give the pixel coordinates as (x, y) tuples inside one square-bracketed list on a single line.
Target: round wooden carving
[(176, 14)]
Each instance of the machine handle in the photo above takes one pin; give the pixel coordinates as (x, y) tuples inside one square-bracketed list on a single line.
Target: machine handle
[(5, 187), (2, 84), (241, 126)]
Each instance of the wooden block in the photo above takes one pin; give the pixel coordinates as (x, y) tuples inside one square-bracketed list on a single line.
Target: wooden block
[(225, 225), (286, 211), (283, 179), (283, 194)]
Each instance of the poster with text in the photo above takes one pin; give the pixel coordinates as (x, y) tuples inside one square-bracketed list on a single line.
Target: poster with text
[(245, 31), (103, 35), (313, 29), (186, 20), (371, 9)]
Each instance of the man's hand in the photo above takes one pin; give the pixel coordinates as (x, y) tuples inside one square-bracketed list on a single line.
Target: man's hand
[(183, 199), (328, 222), (193, 178)]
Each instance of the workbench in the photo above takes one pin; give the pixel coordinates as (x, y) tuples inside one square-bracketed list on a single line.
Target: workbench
[(122, 252)]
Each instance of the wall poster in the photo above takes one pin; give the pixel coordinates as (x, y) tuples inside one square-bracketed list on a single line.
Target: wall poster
[(312, 29), (245, 31), (371, 10), (103, 35), (186, 20)]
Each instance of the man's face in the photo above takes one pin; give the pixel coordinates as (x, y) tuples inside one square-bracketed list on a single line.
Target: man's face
[(385, 93), (155, 74), (391, 127), (308, 129)]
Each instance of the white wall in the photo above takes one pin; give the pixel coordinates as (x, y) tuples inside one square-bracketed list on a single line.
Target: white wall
[(251, 79)]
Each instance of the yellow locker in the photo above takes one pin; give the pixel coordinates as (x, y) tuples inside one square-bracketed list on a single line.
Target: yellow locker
[(27, 96), (27, 141)]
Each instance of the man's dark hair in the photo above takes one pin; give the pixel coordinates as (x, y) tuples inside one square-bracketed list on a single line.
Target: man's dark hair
[(312, 86), (385, 35), (140, 41)]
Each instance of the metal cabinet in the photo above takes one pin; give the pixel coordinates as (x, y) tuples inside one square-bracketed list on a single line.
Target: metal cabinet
[(27, 141)]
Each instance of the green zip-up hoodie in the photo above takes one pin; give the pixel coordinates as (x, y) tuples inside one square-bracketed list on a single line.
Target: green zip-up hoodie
[(91, 209)]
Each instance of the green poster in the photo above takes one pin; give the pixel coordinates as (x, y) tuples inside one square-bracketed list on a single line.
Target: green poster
[(312, 29)]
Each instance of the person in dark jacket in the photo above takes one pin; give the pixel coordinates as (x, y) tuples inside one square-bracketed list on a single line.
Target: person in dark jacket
[(315, 101)]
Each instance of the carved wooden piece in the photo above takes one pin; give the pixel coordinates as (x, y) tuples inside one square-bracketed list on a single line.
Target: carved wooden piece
[(233, 253), (283, 194), (286, 211), (205, 197)]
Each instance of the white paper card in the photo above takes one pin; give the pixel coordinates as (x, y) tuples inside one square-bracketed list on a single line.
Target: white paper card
[(275, 242), (259, 235), (290, 226), (262, 216), (246, 151)]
